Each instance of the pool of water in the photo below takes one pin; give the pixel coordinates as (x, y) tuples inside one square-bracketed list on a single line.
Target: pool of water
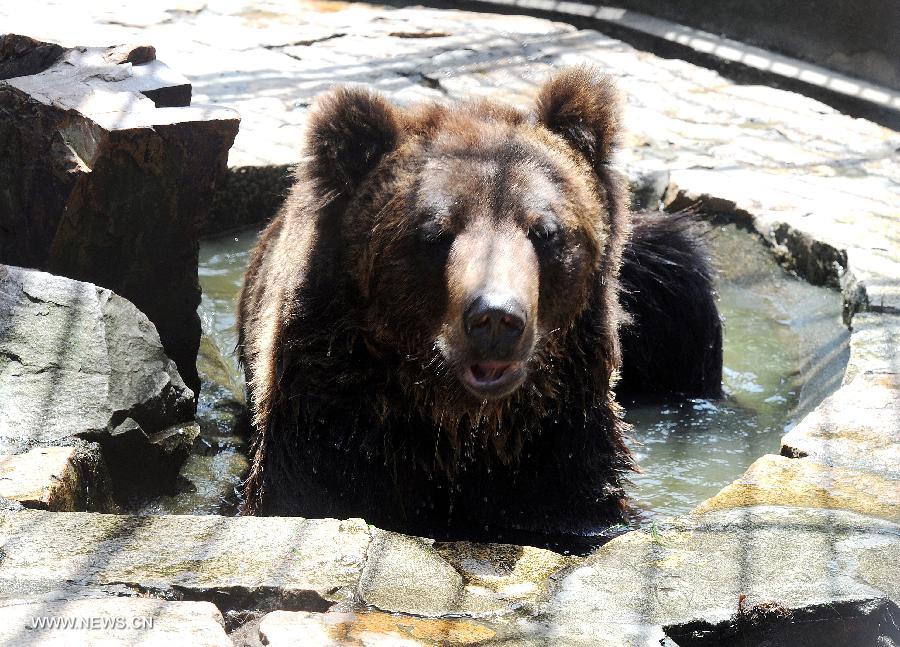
[(785, 349)]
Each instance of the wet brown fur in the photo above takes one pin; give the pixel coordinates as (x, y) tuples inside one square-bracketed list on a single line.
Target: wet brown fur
[(356, 410)]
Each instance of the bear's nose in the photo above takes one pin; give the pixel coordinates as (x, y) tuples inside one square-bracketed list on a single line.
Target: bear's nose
[(494, 323)]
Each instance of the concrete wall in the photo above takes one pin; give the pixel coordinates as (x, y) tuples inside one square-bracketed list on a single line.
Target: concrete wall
[(857, 37)]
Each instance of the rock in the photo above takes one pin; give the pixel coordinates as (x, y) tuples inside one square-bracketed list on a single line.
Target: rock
[(419, 576), (874, 345), (109, 621), (248, 195), (857, 427), (107, 182), (804, 483), (515, 574), (143, 463), (646, 584), (405, 574), (222, 410), (60, 479), (282, 628), (76, 361), (236, 562)]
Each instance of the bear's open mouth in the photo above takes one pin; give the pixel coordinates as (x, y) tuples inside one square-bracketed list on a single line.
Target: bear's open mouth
[(493, 379)]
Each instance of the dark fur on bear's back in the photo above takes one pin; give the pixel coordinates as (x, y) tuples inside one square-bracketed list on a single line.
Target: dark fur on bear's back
[(673, 341), (356, 410)]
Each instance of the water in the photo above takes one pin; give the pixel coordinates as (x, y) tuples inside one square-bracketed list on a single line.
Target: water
[(785, 349)]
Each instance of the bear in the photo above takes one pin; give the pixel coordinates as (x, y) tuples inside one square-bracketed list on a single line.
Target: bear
[(430, 325)]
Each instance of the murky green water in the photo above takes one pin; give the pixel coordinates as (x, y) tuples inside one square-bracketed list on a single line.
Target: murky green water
[(785, 348)]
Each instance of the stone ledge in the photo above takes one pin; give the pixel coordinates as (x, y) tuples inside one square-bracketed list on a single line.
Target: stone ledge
[(803, 483), (703, 567), (105, 622), (858, 427), (235, 562), (59, 479), (874, 346)]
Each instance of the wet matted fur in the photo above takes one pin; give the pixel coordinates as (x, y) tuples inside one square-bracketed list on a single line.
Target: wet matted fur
[(347, 331)]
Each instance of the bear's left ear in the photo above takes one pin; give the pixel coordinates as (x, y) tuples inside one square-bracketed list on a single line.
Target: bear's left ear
[(349, 131), (582, 106)]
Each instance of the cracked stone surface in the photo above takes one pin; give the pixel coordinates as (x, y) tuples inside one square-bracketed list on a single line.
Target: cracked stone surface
[(697, 568)]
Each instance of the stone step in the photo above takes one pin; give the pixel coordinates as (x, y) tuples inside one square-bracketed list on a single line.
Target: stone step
[(858, 427), (112, 621), (805, 483)]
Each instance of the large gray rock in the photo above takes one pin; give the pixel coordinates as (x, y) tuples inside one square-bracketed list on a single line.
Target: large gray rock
[(709, 571), (108, 175), (77, 362)]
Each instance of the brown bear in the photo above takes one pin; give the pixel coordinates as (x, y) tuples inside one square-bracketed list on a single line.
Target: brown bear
[(430, 326)]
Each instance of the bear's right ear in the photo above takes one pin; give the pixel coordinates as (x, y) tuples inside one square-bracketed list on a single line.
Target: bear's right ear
[(349, 131), (582, 106)]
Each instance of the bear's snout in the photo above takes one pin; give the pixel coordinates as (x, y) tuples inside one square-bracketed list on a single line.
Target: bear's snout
[(490, 327), (494, 323)]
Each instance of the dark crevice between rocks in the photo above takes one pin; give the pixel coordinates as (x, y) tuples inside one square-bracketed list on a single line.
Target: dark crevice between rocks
[(419, 34), (238, 604), (854, 623)]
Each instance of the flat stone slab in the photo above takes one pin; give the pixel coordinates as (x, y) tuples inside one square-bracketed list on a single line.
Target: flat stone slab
[(804, 483), (857, 427), (283, 629), (233, 561), (705, 567), (51, 478), (874, 345), (430, 579), (110, 622)]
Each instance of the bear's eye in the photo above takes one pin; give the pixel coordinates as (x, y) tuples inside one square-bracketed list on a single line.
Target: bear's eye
[(544, 232), (432, 233)]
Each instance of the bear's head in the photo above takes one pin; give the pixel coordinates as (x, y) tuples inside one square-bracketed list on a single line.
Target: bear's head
[(481, 243)]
